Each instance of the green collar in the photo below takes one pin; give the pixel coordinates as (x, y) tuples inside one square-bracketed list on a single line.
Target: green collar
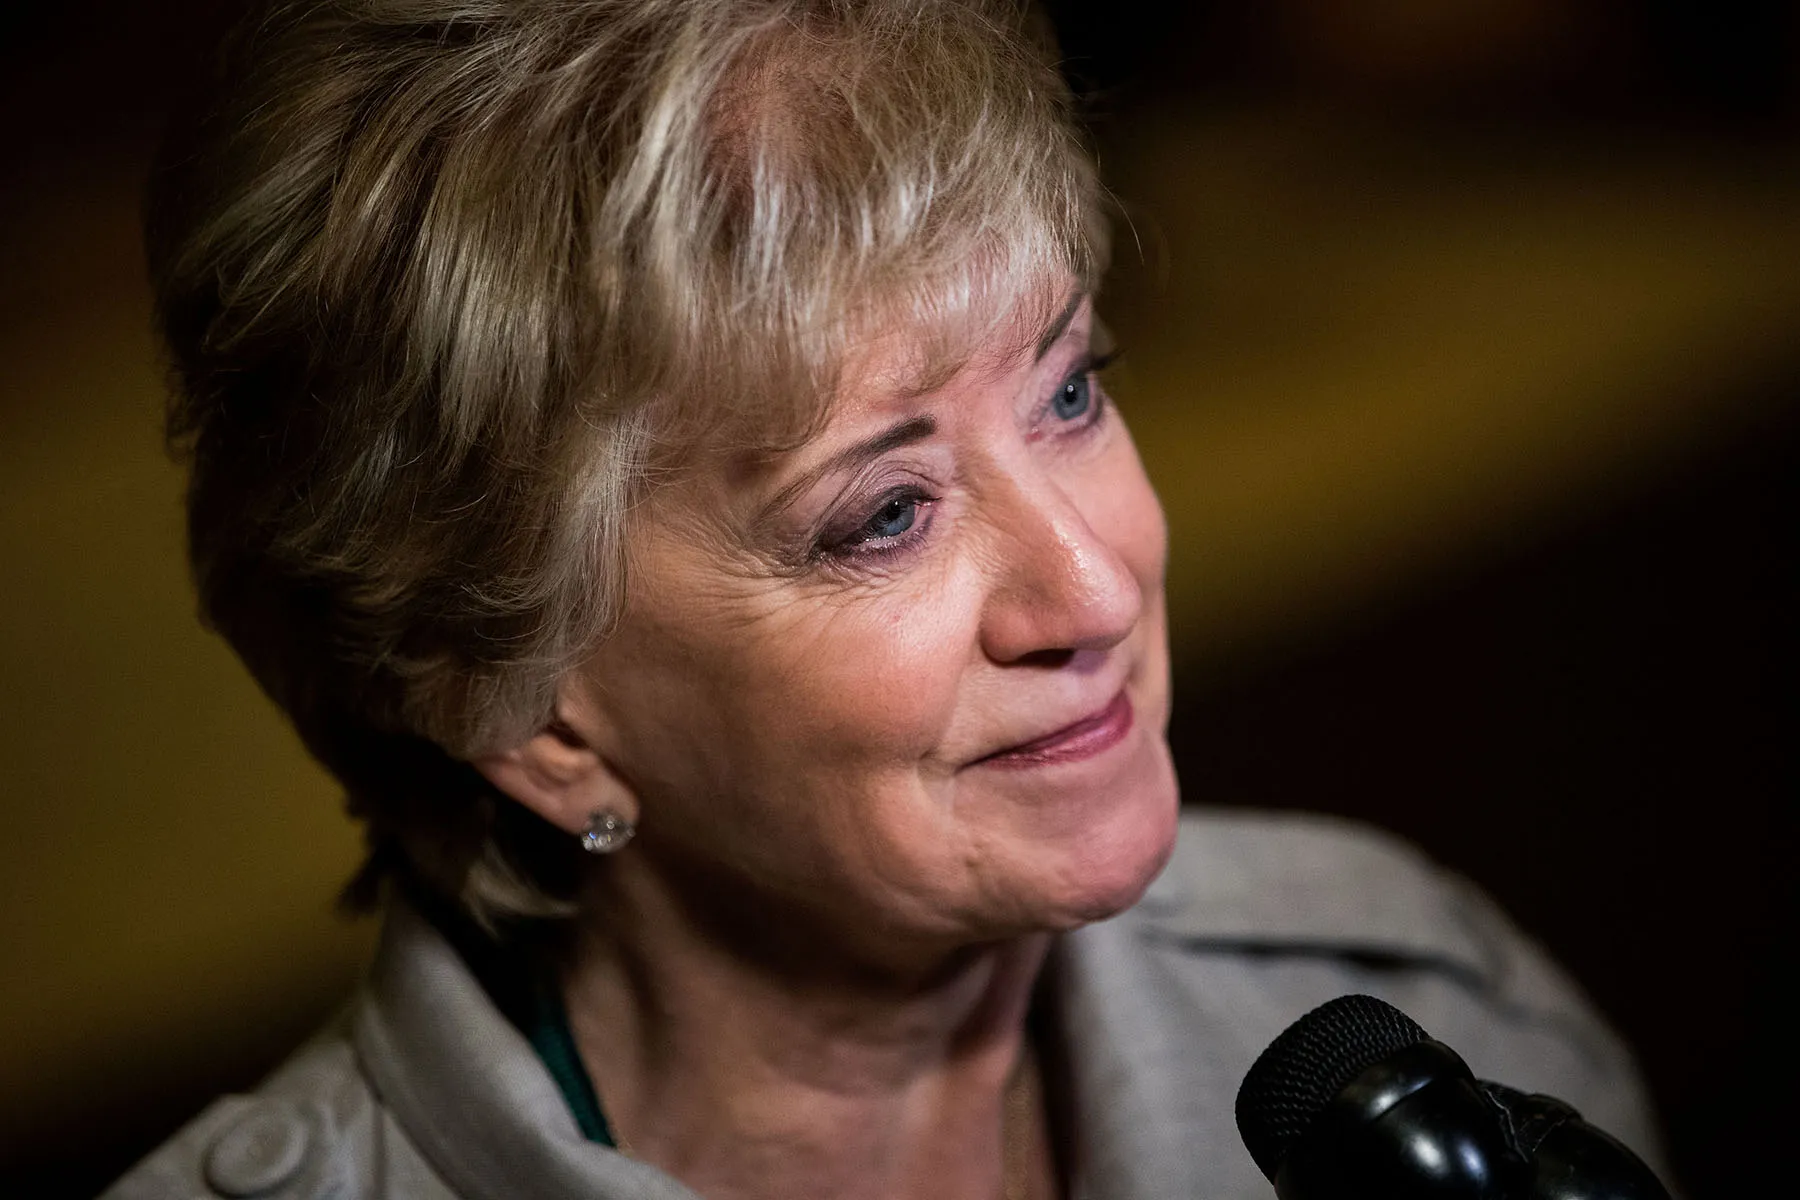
[(547, 1029), (518, 972)]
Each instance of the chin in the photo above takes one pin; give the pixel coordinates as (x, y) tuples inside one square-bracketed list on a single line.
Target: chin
[(1108, 872)]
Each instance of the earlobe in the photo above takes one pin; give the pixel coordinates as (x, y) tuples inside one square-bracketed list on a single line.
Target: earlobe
[(562, 779)]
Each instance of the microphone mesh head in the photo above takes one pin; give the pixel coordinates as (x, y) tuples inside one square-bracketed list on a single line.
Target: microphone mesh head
[(1310, 1063)]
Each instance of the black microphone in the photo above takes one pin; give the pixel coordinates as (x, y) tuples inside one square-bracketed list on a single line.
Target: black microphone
[(1355, 1102)]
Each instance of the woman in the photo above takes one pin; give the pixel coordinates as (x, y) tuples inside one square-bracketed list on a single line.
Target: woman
[(669, 429)]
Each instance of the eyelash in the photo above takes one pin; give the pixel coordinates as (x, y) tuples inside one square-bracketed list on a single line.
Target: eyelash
[(862, 543)]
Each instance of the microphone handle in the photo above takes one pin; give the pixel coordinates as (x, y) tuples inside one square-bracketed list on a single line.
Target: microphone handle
[(1570, 1159)]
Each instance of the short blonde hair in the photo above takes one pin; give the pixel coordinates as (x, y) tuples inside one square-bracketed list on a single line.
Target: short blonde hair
[(445, 282)]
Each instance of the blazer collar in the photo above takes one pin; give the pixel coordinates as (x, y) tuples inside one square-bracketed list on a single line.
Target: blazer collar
[(474, 1097), (468, 1089)]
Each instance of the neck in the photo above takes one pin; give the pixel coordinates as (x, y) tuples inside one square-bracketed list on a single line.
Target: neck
[(762, 1061)]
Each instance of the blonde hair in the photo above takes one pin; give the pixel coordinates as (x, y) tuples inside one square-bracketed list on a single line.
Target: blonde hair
[(446, 282)]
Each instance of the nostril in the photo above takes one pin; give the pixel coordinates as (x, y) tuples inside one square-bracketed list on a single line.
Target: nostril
[(1046, 658)]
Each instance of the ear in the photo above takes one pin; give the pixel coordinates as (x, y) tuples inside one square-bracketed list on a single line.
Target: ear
[(561, 778)]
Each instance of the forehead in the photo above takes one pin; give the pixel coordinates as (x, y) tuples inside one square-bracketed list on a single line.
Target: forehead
[(908, 360)]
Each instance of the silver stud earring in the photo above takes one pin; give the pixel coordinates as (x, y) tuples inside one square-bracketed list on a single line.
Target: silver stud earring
[(606, 832)]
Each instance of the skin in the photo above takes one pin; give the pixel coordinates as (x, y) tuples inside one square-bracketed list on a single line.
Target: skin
[(825, 709)]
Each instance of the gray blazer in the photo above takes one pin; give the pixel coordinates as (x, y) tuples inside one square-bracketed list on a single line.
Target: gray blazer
[(423, 1090)]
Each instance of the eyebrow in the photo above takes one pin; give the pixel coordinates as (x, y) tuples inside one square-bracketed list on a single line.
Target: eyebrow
[(903, 433), (1053, 332)]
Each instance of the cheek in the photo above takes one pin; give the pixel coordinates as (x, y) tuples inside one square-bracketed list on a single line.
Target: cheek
[(802, 691), (876, 681)]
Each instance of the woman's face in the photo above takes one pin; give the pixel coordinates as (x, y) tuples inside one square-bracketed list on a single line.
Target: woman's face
[(909, 682)]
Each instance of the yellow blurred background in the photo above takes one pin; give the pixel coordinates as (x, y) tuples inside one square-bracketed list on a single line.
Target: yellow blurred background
[(1428, 309)]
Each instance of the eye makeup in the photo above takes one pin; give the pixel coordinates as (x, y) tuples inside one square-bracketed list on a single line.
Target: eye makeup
[(890, 510), (878, 526)]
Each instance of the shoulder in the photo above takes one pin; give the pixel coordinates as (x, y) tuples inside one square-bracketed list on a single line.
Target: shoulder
[(1290, 882), (1297, 883), (315, 1128), (422, 1090), (1268, 915)]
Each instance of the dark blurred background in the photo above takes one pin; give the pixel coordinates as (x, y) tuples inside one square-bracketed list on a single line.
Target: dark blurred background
[(1461, 341)]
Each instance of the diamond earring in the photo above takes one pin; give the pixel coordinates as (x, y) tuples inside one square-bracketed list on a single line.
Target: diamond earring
[(607, 832)]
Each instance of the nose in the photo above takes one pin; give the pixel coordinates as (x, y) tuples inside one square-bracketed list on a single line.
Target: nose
[(1061, 582)]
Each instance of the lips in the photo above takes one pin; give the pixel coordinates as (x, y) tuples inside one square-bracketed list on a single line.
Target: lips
[(1086, 738)]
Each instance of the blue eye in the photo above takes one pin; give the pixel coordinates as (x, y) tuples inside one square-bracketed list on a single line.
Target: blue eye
[(891, 519), (898, 520), (1075, 399), (1075, 396)]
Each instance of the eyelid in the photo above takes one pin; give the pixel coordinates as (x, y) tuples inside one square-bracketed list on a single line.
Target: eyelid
[(1097, 362)]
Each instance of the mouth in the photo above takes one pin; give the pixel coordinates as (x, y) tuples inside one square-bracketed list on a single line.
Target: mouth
[(1086, 738)]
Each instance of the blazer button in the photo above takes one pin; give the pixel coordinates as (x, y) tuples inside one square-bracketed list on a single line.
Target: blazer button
[(257, 1153)]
